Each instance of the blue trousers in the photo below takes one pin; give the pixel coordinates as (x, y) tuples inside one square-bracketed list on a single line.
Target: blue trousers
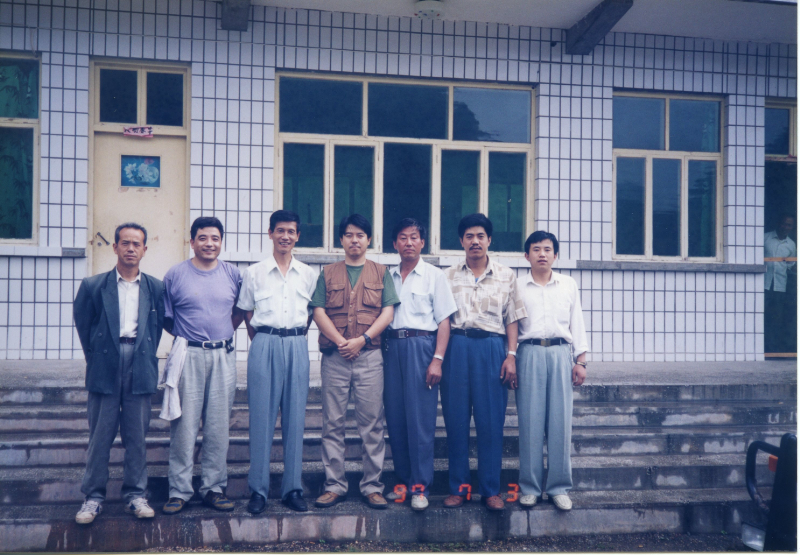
[(471, 387), (410, 409), (277, 379)]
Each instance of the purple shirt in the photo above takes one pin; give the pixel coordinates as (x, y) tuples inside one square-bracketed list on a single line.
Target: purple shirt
[(200, 303)]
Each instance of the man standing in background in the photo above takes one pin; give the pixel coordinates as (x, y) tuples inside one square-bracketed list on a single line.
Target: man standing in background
[(779, 333)]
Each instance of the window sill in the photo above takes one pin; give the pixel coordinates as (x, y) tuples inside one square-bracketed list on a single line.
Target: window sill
[(51, 252), (651, 266)]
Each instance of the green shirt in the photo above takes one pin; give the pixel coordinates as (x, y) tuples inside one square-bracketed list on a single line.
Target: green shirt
[(388, 298)]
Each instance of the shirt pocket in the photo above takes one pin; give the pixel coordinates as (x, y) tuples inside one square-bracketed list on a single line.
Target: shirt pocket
[(420, 303), (266, 301), (334, 296), (491, 300), (373, 293)]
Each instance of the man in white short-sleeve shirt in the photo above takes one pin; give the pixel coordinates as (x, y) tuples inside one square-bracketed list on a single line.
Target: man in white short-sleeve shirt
[(549, 337)]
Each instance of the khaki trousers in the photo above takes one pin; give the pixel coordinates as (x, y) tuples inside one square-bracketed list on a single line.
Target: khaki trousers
[(364, 376)]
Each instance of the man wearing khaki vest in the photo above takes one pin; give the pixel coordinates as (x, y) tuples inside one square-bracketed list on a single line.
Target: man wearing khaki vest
[(353, 304)]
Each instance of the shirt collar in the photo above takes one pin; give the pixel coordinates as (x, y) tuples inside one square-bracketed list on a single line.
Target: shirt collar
[(272, 264), (119, 277), (489, 267), (555, 277), (419, 269)]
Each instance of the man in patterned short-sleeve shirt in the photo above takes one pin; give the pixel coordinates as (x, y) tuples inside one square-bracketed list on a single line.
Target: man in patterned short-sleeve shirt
[(479, 364)]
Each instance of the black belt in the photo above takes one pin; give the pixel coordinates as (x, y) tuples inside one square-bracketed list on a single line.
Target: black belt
[(476, 334), (127, 340), (404, 333), (544, 342), (281, 332), (228, 343)]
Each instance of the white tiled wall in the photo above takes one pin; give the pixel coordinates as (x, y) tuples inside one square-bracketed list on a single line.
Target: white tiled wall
[(643, 315)]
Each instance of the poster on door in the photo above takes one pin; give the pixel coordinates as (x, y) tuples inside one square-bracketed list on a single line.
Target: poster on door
[(141, 171)]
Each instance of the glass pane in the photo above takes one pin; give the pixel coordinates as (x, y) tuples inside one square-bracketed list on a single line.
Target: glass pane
[(353, 179), (19, 88), (630, 205), (776, 131), (507, 200), (320, 106), (666, 207), (16, 187), (406, 187), (117, 96), (491, 115), (407, 111), (460, 180), (638, 123), (164, 99), (702, 208), (694, 125), (304, 189)]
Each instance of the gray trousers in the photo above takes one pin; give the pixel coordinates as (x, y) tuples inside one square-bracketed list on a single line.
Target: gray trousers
[(365, 376), (131, 415), (277, 379), (207, 388), (544, 407)]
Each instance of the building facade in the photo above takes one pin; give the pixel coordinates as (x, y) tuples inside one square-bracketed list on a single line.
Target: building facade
[(646, 157)]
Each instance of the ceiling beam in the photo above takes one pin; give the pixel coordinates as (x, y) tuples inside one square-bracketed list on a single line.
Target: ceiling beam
[(586, 33), (235, 14)]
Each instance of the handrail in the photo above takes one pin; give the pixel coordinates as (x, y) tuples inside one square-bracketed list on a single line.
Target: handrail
[(780, 259), (750, 471)]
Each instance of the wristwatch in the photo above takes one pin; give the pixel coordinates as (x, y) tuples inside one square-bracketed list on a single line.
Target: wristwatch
[(579, 363), (367, 339)]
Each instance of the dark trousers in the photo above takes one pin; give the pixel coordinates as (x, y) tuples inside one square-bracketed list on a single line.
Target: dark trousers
[(410, 409), (471, 387), (129, 413), (780, 327)]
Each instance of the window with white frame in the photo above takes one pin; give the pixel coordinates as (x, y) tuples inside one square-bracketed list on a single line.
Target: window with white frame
[(19, 147), (667, 177), (390, 149)]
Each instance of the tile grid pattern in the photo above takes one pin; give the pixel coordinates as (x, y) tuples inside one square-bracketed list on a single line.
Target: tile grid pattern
[(232, 155)]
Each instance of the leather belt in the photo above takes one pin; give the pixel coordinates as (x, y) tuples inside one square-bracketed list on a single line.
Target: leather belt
[(476, 334), (404, 333), (127, 340), (281, 332), (544, 342), (228, 343)]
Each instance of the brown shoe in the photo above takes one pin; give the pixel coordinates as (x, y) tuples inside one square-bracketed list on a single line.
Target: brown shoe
[(328, 499), (453, 501), (376, 501), (494, 503)]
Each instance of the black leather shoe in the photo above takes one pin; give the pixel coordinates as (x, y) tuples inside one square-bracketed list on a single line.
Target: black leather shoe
[(294, 500), (257, 504)]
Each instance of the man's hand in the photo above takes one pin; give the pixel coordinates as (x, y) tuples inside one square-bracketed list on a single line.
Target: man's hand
[(351, 347), (434, 374), (578, 374), (508, 372)]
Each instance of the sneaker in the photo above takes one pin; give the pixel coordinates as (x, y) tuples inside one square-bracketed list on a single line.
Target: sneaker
[(419, 502), (528, 500), (562, 501), (89, 510), (174, 506), (140, 508), (218, 501)]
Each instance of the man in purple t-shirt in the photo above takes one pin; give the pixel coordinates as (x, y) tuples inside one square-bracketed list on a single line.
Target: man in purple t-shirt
[(200, 305)]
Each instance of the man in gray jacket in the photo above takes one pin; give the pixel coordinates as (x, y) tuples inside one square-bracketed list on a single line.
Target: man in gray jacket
[(119, 317)]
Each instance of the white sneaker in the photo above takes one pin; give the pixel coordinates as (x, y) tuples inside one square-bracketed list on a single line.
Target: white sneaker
[(140, 508), (528, 500), (419, 502), (89, 510), (562, 501)]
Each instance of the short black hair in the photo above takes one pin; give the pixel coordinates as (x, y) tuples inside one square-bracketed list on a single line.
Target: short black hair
[(207, 221), (474, 220), (357, 220), (538, 237), (409, 222), (283, 216), (129, 225)]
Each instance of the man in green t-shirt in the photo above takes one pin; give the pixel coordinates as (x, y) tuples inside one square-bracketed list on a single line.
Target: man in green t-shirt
[(353, 303)]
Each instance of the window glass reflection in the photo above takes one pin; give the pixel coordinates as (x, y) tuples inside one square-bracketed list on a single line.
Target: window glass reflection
[(630, 205), (638, 123), (412, 111), (491, 115), (320, 106), (694, 125)]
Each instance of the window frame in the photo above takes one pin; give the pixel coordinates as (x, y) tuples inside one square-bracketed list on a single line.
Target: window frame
[(784, 104), (35, 124), (330, 243), (684, 157)]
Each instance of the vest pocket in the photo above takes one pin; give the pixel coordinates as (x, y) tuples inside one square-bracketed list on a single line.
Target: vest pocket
[(372, 294), (334, 296)]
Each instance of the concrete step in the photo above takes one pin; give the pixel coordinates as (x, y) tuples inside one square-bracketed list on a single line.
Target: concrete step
[(33, 394), (620, 441), (73, 418), (26, 485), (53, 528)]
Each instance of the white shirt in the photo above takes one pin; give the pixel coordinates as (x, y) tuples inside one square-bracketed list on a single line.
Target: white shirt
[(425, 298), (778, 271), (277, 301), (554, 310), (128, 292)]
